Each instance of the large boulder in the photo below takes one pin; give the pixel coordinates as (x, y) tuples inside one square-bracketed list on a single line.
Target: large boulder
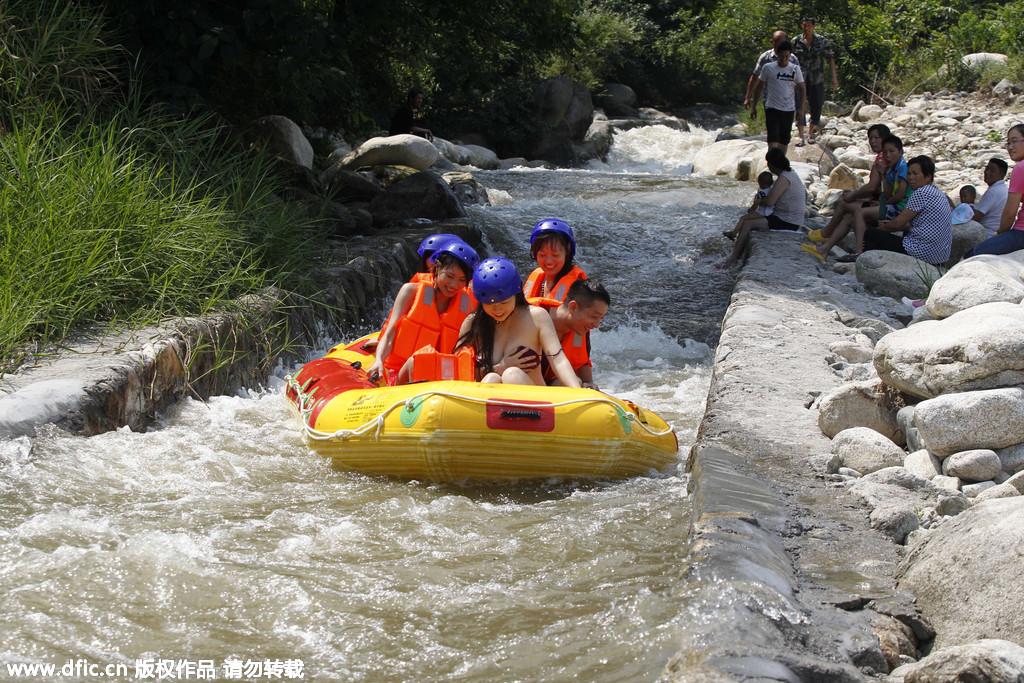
[(975, 419), (978, 280), (598, 140), (966, 236), (859, 404), (991, 661), (393, 150), (481, 157), (980, 60), (978, 348), (865, 450), (617, 100), (348, 186), (965, 571), (466, 188), (283, 138), (565, 110), (842, 178), (979, 464), (869, 112), (421, 195), (733, 158), (818, 156), (457, 154), (897, 275)]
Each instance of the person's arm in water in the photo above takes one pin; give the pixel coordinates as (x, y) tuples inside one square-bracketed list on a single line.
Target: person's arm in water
[(403, 302), (1009, 211), (551, 346)]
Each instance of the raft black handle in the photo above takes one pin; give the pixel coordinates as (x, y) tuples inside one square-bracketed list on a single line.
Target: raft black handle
[(520, 414)]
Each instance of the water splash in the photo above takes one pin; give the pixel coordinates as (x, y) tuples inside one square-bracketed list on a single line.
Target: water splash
[(654, 149)]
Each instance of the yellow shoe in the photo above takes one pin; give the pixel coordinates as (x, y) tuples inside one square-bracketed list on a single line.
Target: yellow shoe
[(810, 249), (816, 236)]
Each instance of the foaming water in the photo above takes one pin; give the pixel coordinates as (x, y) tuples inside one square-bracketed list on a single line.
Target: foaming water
[(217, 533), (654, 149)]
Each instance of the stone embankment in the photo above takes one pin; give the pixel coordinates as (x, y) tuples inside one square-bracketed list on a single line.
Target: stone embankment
[(97, 384), (860, 466)]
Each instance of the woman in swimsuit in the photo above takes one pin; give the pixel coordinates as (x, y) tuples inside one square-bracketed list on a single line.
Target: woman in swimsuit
[(509, 335)]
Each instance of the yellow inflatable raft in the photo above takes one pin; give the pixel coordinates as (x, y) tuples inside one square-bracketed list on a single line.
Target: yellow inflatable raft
[(449, 431)]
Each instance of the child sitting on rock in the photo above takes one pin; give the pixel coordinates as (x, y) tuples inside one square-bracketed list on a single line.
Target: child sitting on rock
[(757, 208)]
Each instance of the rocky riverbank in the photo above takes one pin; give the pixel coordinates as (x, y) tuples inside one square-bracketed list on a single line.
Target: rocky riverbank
[(891, 548)]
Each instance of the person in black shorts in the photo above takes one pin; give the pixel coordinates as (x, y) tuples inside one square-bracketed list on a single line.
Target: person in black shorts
[(781, 80)]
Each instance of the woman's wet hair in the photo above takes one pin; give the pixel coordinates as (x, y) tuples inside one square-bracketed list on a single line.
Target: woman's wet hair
[(480, 336), (925, 163), (880, 128), (552, 238), (443, 260), (894, 141), (776, 158)]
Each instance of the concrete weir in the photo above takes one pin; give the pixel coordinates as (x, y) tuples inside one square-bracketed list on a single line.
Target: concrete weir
[(792, 570), (93, 385)]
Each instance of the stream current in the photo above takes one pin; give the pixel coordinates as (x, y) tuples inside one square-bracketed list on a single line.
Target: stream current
[(216, 534)]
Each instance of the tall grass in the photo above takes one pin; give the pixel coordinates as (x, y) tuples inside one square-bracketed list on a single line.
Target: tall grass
[(94, 228), (110, 213)]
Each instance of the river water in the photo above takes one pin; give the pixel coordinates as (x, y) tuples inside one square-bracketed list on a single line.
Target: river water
[(217, 535)]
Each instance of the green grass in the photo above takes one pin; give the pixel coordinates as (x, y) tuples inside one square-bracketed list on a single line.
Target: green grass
[(111, 214), (97, 226)]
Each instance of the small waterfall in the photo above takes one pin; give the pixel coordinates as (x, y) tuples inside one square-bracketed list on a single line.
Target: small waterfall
[(654, 149)]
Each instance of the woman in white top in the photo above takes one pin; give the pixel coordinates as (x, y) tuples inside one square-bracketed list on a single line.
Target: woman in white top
[(788, 199)]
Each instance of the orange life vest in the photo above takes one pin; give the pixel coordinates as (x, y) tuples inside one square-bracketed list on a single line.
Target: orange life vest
[(573, 345), (430, 365), (559, 291), (422, 277), (423, 326)]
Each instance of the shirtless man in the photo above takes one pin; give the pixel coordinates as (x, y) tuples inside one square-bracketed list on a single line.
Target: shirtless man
[(507, 328)]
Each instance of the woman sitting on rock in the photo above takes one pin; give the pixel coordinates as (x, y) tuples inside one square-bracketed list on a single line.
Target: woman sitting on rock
[(788, 200), (1010, 236), (507, 334), (926, 222)]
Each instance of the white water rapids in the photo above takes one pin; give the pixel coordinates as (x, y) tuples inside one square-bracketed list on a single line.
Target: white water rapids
[(217, 534)]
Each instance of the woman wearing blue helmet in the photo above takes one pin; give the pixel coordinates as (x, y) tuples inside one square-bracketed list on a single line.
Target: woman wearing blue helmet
[(553, 247), (507, 334), (427, 313), (426, 250)]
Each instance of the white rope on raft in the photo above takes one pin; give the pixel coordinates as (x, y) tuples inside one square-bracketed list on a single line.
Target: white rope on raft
[(376, 424)]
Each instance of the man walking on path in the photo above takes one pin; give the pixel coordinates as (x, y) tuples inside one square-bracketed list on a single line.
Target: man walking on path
[(813, 51), (782, 81), (766, 57)]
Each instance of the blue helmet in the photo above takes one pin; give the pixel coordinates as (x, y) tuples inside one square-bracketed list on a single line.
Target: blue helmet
[(431, 243), (546, 226), (459, 250), (496, 279)]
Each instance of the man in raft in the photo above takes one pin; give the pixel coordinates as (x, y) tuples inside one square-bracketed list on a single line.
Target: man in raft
[(553, 247), (508, 335), (427, 313), (584, 308)]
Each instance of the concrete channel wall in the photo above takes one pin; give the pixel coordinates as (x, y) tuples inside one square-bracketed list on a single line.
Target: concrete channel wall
[(789, 569), (97, 384)]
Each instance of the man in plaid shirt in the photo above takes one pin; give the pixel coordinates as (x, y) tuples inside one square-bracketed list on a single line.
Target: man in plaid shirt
[(813, 51)]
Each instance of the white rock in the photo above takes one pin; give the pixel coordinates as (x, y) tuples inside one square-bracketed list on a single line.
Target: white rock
[(285, 139), (858, 404), (978, 348), (960, 573), (992, 661), (951, 423), (1016, 481), (842, 178), (852, 352), (1003, 490), (869, 112), (973, 490), (947, 483), (854, 159), (726, 157), (897, 275), (401, 150), (979, 280), (977, 60), (865, 450), (1012, 458), (979, 464), (923, 464)]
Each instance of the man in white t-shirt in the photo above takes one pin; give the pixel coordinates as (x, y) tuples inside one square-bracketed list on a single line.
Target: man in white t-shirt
[(765, 57), (781, 81), (989, 208)]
